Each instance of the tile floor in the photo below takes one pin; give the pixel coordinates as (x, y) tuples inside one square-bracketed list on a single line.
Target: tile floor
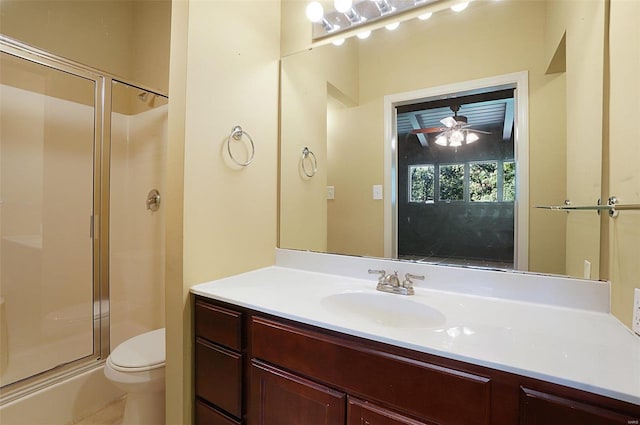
[(111, 414)]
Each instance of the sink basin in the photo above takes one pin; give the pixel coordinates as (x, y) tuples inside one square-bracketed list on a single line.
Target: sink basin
[(383, 309)]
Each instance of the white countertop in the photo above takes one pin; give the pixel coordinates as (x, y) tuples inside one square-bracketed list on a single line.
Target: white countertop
[(585, 349)]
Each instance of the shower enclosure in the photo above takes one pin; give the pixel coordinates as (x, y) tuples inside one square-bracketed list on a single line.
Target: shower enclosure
[(81, 228)]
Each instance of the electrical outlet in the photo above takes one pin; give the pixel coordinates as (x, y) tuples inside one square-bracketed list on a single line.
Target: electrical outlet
[(636, 311)]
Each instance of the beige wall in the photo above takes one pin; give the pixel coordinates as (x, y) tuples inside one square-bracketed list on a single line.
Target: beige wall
[(624, 151), (307, 82), (582, 24), (128, 39), (224, 72)]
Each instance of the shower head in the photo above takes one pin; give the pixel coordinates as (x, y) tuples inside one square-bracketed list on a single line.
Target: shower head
[(147, 98)]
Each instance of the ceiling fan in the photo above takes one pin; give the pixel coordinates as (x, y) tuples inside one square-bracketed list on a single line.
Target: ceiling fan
[(455, 130)]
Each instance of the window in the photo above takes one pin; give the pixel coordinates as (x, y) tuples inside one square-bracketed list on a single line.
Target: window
[(421, 183), (483, 182), (509, 181), (480, 181), (451, 182)]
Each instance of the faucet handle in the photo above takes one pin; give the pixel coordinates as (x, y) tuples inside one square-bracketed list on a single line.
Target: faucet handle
[(408, 279), (382, 274)]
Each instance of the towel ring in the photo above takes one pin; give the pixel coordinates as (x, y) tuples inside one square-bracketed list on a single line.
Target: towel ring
[(236, 133), (306, 153)]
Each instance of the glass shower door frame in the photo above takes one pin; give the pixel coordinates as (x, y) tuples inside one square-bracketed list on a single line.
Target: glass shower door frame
[(99, 230)]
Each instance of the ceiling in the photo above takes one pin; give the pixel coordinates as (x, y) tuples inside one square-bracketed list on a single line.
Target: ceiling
[(485, 115)]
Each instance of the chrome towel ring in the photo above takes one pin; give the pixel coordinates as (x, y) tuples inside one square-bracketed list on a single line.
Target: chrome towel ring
[(236, 133), (307, 154)]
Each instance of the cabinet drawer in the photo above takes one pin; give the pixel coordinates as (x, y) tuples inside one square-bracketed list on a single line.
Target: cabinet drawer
[(435, 393), (218, 325), (219, 377), (540, 408), (207, 415)]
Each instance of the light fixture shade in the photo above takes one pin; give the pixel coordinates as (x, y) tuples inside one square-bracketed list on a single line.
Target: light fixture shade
[(338, 42), (315, 12), (459, 7), (471, 137), (441, 140), (343, 6), (456, 138), (364, 34), (392, 26), (425, 16)]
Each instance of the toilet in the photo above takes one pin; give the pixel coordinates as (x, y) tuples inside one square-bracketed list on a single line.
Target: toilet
[(137, 367)]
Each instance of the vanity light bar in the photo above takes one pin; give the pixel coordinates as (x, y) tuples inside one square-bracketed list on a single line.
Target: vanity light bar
[(349, 14)]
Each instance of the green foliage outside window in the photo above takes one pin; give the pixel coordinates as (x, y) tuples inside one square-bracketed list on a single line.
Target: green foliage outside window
[(452, 182), (483, 182), (422, 181), (509, 182)]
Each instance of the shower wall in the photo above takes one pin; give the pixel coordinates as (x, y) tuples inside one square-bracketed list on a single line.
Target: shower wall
[(138, 155)]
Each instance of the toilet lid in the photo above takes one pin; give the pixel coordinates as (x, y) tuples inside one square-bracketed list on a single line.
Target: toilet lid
[(143, 351)]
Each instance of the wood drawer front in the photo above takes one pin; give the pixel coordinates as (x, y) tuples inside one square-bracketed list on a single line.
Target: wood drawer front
[(281, 398), (361, 412), (207, 415), (219, 377), (432, 392), (218, 325), (540, 408)]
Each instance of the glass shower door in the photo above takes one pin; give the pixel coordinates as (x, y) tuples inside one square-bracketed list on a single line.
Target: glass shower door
[(47, 139)]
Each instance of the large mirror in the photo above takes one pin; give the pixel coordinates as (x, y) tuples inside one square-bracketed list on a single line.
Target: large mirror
[(341, 178)]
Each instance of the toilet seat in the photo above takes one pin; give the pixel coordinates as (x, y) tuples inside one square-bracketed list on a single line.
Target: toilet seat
[(140, 353)]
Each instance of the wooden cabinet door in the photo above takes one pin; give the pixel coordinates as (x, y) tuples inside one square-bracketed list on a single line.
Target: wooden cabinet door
[(361, 412), (279, 398), (539, 408)]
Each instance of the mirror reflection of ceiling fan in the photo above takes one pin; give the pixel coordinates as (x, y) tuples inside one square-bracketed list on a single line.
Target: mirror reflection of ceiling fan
[(455, 131)]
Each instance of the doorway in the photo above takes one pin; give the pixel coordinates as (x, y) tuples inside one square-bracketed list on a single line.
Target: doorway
[(458, 166)]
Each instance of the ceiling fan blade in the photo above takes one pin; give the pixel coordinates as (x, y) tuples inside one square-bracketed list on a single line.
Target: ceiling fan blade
[(473, 130), (449, 122), (428, 130)]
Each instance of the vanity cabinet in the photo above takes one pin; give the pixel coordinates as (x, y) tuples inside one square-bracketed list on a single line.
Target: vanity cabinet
[(283, 372), (279, 397), (219, 364)]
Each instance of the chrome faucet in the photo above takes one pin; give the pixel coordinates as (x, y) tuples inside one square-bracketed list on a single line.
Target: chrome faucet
[(391, 282)]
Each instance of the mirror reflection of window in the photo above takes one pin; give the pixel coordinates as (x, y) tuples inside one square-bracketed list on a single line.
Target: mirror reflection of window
[(422, 183), (451, 182)]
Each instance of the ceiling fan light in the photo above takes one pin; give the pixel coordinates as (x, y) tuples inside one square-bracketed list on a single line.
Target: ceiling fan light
[(315, 12), (425, 16), (456, 138), (364, 34), (459, 7), (338, 42), (471, 137), (392, 26), (441, 140)]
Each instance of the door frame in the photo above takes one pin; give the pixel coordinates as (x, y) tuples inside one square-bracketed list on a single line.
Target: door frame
[(517, 80)]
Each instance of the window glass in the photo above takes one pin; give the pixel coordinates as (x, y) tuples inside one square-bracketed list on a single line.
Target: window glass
[(421, 181), (509, 181), (483, 182), (452, 182)]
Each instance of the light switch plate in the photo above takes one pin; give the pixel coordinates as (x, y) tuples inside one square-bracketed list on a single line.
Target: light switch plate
[(331, 192), (377, 191), (636, 311)]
